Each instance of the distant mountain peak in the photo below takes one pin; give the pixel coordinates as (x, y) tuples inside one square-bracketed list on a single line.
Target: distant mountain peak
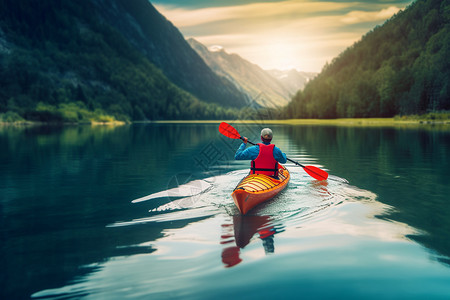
[(264, 87), (216, 48)]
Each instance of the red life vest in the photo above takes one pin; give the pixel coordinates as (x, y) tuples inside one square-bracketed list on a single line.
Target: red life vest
[(265, 163)]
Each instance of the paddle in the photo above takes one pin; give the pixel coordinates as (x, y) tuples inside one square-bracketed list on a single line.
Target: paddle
[(229, 131)]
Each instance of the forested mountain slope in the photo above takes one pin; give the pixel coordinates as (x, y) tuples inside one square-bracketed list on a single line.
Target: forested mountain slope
[(139, 22), (82, 60), (401, 67)]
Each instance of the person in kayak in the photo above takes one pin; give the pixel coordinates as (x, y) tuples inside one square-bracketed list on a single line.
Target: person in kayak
[(265, 156)]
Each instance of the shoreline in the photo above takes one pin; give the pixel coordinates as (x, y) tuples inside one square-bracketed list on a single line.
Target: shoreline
[(31, 123), (356, 122), (375, 122)]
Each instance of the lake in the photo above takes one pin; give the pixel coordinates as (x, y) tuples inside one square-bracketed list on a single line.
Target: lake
[(71, 230)]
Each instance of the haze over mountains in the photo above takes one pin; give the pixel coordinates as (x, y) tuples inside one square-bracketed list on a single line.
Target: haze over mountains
[(292, 79), (272, 88)]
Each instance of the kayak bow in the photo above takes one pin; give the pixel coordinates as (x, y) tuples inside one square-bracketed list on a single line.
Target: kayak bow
[(255, 189)]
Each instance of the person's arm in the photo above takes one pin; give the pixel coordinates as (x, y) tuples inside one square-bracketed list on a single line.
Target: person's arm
[(279, 155), (239, 153), (245, 154)]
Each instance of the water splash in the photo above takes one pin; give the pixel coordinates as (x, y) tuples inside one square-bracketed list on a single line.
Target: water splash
[(189, 189), (304, 198)]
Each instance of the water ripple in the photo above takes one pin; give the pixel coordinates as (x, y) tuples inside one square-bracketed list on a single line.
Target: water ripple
[(304, 199)]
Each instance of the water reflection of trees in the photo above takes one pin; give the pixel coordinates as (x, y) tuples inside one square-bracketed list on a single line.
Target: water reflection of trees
[(63, 185), (405, 167)]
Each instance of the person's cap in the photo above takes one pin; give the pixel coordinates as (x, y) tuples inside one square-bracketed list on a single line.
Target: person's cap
[(267, 131)]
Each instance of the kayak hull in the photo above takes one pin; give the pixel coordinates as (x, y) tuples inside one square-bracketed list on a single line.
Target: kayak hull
[(255, 189)]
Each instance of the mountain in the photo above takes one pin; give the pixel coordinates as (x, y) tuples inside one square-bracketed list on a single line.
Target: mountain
[(401, 67), (122, 60), (150, 32), (249, 78), (292, 79)]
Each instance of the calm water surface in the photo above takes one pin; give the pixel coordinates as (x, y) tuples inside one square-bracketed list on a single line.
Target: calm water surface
[(71, 230)]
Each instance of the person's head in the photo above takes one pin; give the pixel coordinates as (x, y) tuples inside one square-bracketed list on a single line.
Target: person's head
[(266, 135)]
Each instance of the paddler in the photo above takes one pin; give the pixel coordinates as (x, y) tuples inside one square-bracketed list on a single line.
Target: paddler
[(265, 156)]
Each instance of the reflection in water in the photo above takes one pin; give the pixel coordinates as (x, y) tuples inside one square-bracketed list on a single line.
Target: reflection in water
[(60, 193), (320, 186), (185, 258), (406, 167), (241, 232)]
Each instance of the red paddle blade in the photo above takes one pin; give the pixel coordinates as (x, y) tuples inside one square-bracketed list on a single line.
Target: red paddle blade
[(229, 131), (316, 172)]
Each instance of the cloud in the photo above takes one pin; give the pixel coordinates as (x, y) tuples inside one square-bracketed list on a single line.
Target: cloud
[(302, 34), (249, 13), (355, 17)]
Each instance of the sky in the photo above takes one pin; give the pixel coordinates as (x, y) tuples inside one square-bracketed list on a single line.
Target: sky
[(283, 34)]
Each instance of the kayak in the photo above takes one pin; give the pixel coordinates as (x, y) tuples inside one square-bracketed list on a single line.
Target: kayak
[(255, 189)]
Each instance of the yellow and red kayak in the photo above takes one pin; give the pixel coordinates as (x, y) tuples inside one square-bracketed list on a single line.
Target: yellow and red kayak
[(258, 188)]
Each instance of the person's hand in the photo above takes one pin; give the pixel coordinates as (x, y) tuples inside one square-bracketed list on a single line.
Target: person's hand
[(245, 140)]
